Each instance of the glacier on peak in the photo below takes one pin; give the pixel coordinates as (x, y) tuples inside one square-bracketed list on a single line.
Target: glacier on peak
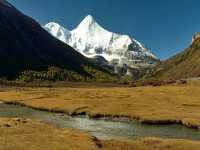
[(90, 39)]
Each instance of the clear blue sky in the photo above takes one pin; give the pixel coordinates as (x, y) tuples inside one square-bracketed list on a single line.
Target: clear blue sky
[(164, 26)]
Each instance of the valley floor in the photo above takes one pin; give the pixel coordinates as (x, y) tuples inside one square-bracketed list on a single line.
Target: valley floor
[(156, 105)]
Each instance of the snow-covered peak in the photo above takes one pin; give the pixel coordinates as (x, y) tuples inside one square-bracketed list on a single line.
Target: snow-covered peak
[(88, 20), (55, 27), (91, 39), (58, 31), (87, 23), (91, 36)]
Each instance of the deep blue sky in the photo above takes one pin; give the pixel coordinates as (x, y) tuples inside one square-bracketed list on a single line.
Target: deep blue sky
[(164, 26)]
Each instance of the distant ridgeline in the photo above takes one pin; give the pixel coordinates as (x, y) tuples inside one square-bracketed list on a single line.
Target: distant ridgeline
[(28, 52), (184, 65)]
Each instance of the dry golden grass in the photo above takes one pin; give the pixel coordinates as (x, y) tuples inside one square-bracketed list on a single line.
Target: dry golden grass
[(25, 134), (175, 103)]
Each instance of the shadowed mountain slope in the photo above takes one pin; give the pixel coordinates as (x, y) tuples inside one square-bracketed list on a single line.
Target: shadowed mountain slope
[(25, 45)]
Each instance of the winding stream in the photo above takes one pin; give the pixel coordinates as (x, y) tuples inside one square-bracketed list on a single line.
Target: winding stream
[(103, 129)]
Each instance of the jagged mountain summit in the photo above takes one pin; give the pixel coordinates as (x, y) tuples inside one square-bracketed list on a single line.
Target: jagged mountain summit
[(90, 39)]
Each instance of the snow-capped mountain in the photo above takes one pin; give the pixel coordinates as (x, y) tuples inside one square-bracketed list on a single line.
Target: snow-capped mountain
[(90, 39)]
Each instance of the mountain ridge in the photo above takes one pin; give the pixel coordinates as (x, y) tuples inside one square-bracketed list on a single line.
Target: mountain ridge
[(181, 66)]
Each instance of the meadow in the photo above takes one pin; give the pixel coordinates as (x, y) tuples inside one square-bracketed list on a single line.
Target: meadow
[(156, 105), (165, 104)]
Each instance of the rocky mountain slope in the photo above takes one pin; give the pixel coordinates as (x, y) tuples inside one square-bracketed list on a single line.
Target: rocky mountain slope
[(183, 65), (26, 47), (91, 40)]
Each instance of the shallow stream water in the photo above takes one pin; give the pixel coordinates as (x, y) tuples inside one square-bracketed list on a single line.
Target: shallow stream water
[(103, 129)]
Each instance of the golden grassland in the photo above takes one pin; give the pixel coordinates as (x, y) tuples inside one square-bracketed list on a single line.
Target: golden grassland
[(25, 134), (163, 104)]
